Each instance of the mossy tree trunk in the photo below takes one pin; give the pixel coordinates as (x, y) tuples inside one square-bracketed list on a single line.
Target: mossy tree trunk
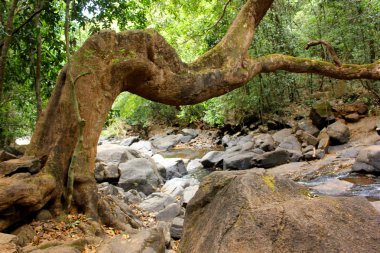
[(143, 63)]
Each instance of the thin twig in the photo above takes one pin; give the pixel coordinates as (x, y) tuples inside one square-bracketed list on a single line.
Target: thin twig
[(24, 24), (221, 17), (329, 48), (214, 25)]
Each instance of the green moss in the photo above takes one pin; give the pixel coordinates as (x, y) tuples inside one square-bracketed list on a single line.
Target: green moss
[(307, 193), (270, 182), (88, 53), (323, 109)]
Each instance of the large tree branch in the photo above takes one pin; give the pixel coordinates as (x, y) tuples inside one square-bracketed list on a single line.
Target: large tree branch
[(233, 48), (272, 63)]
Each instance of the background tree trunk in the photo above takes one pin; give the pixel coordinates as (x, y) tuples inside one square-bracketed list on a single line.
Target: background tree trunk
[(6, 41), (37, 85)]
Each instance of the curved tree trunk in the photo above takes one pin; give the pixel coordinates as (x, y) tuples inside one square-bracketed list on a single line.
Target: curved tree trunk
[(142, 62)]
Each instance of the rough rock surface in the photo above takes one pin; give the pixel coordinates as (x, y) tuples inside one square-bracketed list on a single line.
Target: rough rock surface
[(368, 160), (140, 174), (212, 159), (176, 229), (321, 114), (113, 153), (146, 241), (338, 132), (238, 161), (166, 142), (271, 159), (279, 136), (264, 142), (106, 172), (307, 126), (176, 186), (157, 202), (254, 212), (194, 165), (174, 167)]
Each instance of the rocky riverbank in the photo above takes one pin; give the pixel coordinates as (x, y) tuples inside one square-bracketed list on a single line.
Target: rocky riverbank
[(251, 204)]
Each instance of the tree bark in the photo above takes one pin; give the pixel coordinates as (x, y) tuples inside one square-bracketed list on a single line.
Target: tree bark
[(37, 86), (142, 62), (6, 41)]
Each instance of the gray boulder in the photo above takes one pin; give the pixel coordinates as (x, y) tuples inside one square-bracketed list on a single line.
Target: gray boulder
[(271, 159), (238, 160), (113, 153), (108, 172), (166, 142), (339, 133), (176, 186), (307, 138), (292, 145), (129, 141), (190, 132), (279, 136), (212, 159), (139, 174), (323, 140), (169, 212), (307, 126), (174, 167), (189, 193), (177, 228), (194, 165), (186, 139), (109, 189), (264, 142), (157, 202), (133, 197), (368, 160), (144, 147)]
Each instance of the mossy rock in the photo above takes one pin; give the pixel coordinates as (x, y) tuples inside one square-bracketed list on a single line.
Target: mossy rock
[(322, 114)]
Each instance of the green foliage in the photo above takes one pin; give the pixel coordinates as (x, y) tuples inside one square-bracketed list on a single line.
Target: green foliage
[(352, 26), (136, 110)]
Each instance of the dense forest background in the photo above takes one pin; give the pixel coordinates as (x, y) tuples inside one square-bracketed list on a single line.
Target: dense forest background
[(36, 54)]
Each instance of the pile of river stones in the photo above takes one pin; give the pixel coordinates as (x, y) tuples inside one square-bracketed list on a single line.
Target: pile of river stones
[(135, 170)]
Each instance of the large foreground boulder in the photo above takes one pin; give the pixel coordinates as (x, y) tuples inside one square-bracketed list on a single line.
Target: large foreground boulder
[(244, 211)]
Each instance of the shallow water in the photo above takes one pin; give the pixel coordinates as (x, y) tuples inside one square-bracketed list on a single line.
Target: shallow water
[(361, 185)]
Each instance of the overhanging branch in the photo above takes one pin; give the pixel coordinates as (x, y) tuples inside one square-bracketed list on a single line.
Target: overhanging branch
[(329, 48), (274, 62)]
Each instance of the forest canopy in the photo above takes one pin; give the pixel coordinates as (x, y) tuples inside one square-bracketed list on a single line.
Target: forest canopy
[(36, 54)]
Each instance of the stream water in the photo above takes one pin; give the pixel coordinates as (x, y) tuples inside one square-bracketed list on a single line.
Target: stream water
[(346, 184), (341, 184)]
